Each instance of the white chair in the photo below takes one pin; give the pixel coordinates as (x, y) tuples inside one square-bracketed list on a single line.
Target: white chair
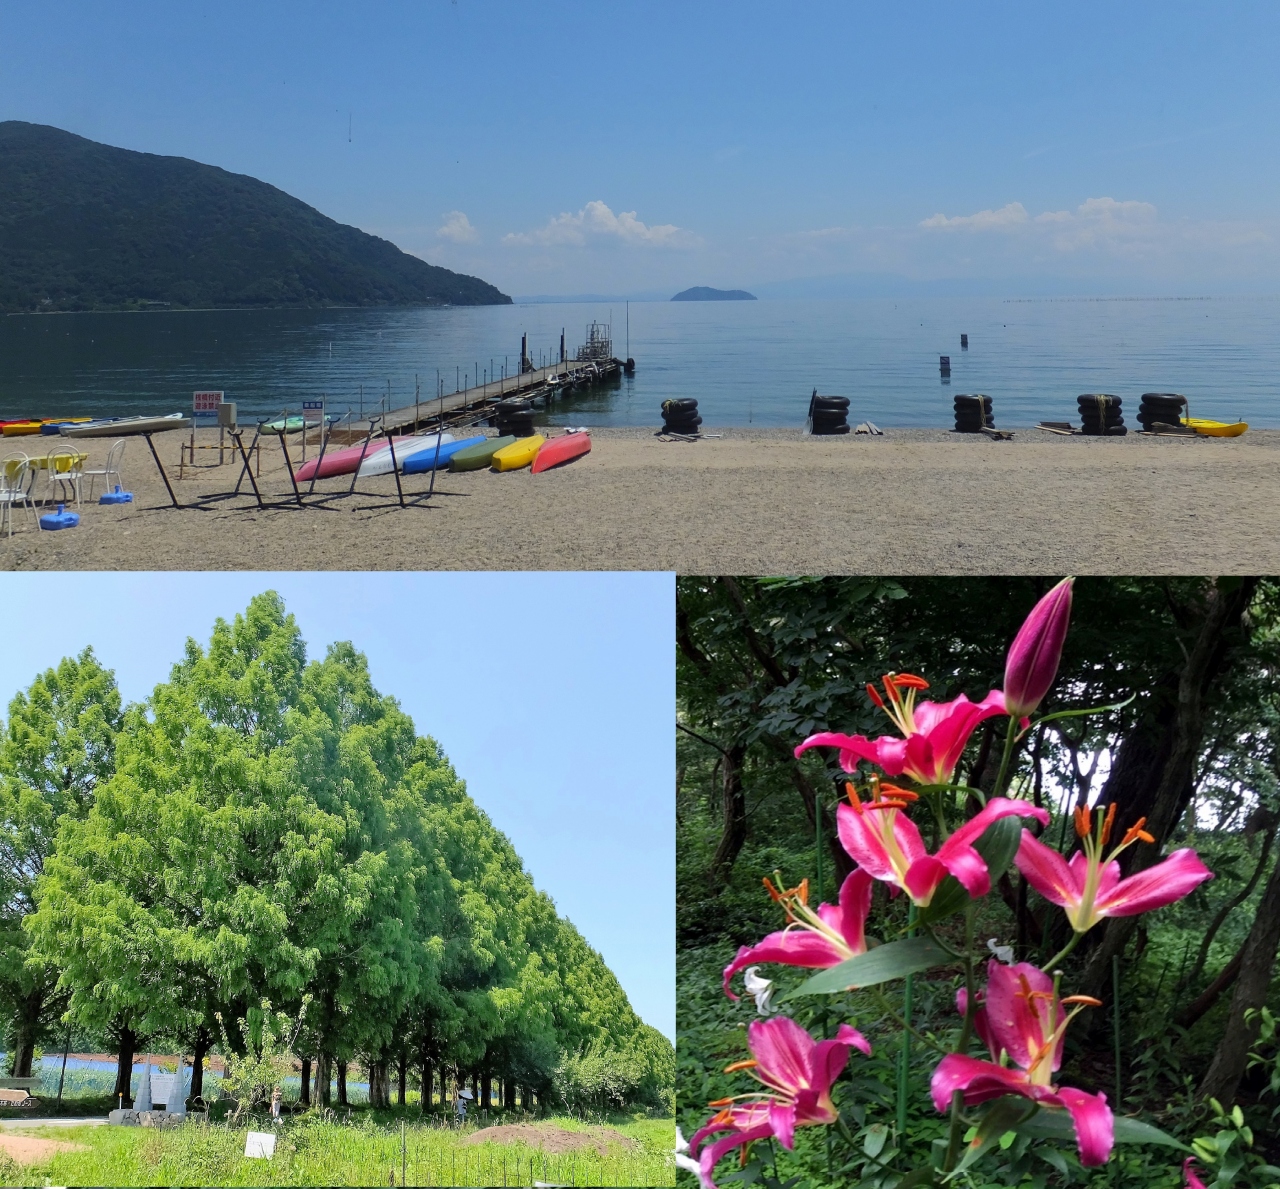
[(114, 456), (63, 470), (14, 471)]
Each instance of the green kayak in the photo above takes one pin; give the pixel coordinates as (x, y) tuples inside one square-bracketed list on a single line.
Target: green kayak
[(291, 425), (479, 455)]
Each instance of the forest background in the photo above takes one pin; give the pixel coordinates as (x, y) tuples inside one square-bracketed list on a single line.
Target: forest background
[(266, 855), (1185, 1024)]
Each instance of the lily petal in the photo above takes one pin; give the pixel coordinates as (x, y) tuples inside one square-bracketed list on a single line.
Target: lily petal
[(1155, 887), (980, 1080), (1095, 1125), (712, 1153), (855, 904), (1047, 872), (791, 947), (782, 1118)]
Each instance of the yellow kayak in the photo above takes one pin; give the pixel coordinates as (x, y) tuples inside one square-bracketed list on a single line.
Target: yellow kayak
[(19, 428), (519, 454), (1216, 429)]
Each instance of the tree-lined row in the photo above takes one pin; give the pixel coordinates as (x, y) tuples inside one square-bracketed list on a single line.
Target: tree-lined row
[(268, 835)]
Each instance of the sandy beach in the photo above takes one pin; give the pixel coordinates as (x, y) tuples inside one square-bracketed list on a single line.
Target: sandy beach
[(746, 501)]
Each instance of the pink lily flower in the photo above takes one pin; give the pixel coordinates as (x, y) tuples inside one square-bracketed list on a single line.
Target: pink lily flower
[(817, 940), (886, 844), (797, 1073), (1023, 1021), (1193, 1181), (1090, 888), (934, 733), (1032, 662)]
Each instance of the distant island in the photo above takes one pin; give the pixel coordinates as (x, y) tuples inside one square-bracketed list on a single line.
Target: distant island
[(85, 226), (703, 293)]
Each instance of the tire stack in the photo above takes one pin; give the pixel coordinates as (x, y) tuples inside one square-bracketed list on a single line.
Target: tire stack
[(515, 417), (973, 413), (1100, 414), (1162, 408), (829, 414), (681, 416)]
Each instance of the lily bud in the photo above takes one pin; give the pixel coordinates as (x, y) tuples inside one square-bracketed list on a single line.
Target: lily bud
[(1033, 658)]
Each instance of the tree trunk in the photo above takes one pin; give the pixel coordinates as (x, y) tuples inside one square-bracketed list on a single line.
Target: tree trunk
[(203, 1042), (1210, 995), (26, 1026), (403, 1084), (1155, 768), (428, 1085), (486, 1084), (1257, 960), (324, 1064), (342, 1084), (733, 807), (127, 1044), (304, 1096)]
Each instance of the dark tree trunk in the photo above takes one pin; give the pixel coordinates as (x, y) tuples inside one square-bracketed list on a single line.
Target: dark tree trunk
[(428, 1084), (342, 1083), (324, 1065), (203, 1042), (127, 1043), (379, 1085), (1155, 768), (1211, 994), (403, 1080), (304, 1096), (485, 1084), (26, 1026), (1258, 958), (733, 808)]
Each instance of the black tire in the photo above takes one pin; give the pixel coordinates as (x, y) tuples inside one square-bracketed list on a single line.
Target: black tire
[(683, 425), (834, 429), (683, 404), (1172, 397), (507, 407), (829, 402), (830, 414)]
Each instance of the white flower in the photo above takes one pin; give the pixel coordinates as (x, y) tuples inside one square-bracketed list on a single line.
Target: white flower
[(760, 989), (1001, 953), (682, 1160)]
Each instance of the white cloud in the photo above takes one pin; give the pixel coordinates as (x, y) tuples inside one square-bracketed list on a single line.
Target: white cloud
[(457, 227), (1012, 215), (596, 221)]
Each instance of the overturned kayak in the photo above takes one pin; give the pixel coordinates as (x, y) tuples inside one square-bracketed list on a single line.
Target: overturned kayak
[(379, 462), (433, 459), (344, 461), (1216, 429), (481, 454), (123, 426), (563, 449), (520, 453)]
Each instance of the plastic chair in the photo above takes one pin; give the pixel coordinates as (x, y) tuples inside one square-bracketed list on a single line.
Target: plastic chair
[(114, 455), (63, 473), (14, 469)]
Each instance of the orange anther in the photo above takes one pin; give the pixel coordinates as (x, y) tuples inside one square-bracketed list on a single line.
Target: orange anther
[(909, 681), (803, 890), (750, 1063), (774, 894), (1084, 821), (874, 695), (1088, 1000), (723, 1117), (895, 791), (721, 1102), (1108, 822), (1136, 831)]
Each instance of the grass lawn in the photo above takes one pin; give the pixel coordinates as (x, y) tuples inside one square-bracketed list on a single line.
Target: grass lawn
[(363, 1148)]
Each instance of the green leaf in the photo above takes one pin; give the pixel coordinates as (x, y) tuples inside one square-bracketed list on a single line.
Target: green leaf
[(893, 960), (1053, 1123), (997, 845), (1082, 713), (874, 1141), (1002, 1116)]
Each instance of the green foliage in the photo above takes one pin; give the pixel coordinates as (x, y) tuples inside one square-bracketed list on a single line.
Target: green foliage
[(87, 226)]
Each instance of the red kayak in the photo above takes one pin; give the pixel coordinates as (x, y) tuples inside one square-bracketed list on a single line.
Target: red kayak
[(341, 462), (563, 449)]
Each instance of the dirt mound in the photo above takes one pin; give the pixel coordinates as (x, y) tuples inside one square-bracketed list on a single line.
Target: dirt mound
[(552, 1139), (26, 1149)]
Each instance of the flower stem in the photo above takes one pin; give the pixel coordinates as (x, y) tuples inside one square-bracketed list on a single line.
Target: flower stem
[(966, 1031), (1001, 777), (904, 1058), (1062, 953)]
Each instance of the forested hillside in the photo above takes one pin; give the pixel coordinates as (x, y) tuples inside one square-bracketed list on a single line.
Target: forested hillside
[(266, 835), (85, 226), (1173, 995)]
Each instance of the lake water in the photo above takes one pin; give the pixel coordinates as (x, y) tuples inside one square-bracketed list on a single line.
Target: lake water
[(746, 362)]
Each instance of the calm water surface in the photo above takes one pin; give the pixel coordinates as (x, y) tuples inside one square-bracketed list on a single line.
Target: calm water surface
[(745, 362)]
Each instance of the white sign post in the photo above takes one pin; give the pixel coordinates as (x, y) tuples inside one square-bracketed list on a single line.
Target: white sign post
[(204, 411), (311, 406)]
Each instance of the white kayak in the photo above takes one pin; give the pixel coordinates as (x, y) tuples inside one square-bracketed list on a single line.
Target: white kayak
[(121, 426), (379, 462)]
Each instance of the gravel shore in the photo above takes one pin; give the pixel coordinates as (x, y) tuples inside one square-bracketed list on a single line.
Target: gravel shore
[(914, 501)]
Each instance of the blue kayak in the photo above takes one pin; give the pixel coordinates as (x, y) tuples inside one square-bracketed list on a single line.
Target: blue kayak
[(425, 460)]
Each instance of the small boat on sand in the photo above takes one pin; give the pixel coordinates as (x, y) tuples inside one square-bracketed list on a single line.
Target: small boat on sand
[(1216, 429), (433, 459), (558, 451), (123, 426), (473, 458), (520, 453), (378, 462), (344, 461)]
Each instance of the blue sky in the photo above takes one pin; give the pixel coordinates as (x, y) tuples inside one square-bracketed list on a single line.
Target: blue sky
[(627, 148), (570, 752)]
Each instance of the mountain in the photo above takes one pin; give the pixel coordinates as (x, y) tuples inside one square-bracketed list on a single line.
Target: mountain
[(85, 226), (703, 293)]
